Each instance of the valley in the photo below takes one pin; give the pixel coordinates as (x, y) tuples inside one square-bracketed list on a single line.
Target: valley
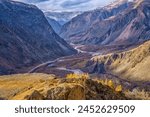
[(83, 63), (47, 55), (64, 65)]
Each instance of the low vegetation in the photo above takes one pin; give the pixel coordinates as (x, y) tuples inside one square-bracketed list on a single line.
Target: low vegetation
[(49, 87), (78, 76), (138, 94), (111, 84), (44, 86)]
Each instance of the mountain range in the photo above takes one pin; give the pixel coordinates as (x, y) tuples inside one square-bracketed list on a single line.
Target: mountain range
[(58, 19), (61, 17), (122, 22)]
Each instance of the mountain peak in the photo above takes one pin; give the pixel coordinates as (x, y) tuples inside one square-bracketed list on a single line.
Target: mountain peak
[(116, 4), (3, 2)]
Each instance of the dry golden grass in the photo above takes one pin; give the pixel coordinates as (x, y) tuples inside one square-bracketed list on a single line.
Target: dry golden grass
[(138, 94), (133, 64), (43, 86), (20, 85)]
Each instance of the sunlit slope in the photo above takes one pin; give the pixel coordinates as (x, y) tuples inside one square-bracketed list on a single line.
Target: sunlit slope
[(42, 86), (133, 64), (18, 86)]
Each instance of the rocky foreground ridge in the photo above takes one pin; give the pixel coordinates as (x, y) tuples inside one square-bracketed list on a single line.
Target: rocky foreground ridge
[(48, 87)]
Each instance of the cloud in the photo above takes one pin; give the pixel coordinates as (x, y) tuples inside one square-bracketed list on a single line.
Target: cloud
[(67, 5), (31, 1), (72, 3)]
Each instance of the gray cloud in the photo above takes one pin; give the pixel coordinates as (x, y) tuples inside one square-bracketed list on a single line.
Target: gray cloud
[(31, 1), (36, 1), (72, 3), (67, 5)]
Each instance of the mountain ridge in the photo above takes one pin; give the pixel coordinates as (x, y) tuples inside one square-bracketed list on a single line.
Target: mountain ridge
[(108, 28), (27, 38), (131, 65)]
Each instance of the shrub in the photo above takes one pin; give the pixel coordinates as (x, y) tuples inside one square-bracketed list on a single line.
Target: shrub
[(77, 76), (138, 94), (118, 88), (111, 84)]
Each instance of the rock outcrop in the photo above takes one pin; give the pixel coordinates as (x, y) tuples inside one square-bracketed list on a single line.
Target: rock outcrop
[(35, 95)]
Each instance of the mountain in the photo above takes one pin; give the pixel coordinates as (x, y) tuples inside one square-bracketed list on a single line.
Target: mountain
[(26, 38), (54, 24), (122, 22), (61, 17), (48, 87), (131, 65)]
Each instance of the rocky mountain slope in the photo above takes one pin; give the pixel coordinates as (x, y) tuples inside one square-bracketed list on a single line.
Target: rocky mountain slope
[(131, 65), (26, 38), (122, 22), (42, 86)]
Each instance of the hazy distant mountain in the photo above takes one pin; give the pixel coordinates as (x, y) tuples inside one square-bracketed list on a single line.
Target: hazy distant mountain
[(55, 25), (61, 17), (122, 22), (26, 38)]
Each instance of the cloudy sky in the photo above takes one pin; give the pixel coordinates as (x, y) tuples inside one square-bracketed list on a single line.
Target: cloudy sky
[(68, 5)]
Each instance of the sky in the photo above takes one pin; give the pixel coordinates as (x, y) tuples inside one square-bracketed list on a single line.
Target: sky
[(67, 5)]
